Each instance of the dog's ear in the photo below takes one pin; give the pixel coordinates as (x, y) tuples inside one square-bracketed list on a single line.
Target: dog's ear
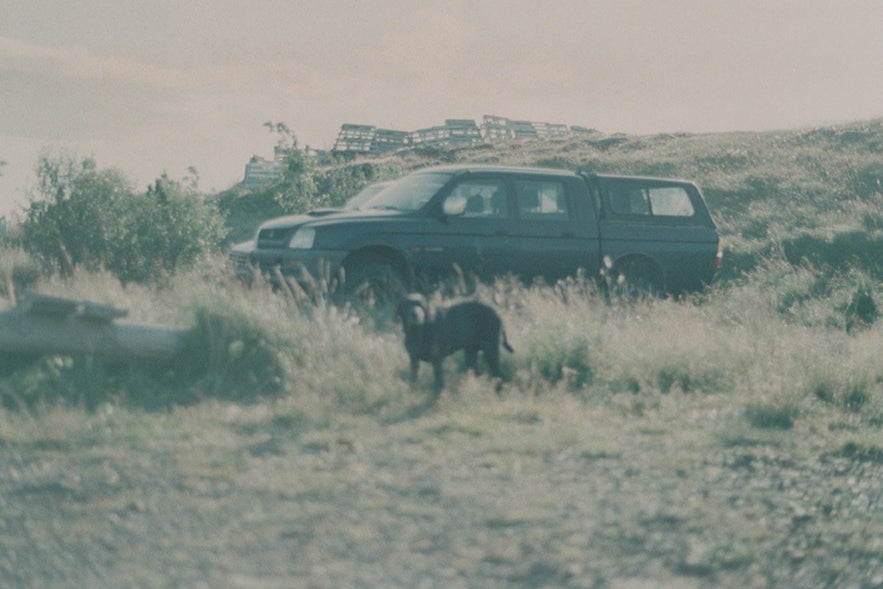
[(429, 308), (418, 315), (412, 310)]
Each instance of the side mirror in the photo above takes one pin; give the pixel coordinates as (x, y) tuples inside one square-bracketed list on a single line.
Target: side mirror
[(454, 205)]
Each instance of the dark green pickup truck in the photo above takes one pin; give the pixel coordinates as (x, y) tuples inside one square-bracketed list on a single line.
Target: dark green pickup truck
[(491, 221)]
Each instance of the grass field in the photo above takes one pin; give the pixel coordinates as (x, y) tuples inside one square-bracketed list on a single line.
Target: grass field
[(732, 439)]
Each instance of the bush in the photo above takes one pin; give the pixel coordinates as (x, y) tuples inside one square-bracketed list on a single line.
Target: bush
[(339, 184), (73, 219), (861, 311), (839, 251), (18, 272), (863, 452), (168, 229), (231, 356), (92, 218), (226, 355), (561, 357), (771, 415)]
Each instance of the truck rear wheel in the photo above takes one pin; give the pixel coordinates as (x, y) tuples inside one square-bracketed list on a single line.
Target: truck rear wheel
[(640, 279)]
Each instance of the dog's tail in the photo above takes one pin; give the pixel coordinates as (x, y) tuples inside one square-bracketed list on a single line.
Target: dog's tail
[(506, 345)]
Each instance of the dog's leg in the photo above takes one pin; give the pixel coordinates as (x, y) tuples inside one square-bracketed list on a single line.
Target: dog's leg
[(437, 372), (492, 357), (415, 367), (506, 345), (472, 359)]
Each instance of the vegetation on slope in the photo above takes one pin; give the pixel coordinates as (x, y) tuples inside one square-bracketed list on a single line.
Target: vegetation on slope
[(731, 439)]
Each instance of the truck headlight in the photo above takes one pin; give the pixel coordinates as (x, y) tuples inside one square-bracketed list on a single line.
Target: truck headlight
[(303, 239)]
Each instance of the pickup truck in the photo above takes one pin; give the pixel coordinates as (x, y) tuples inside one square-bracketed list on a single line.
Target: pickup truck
[(488, 221)]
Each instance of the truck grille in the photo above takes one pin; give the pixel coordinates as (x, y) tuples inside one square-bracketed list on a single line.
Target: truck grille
[(272, 238), (241, 263)]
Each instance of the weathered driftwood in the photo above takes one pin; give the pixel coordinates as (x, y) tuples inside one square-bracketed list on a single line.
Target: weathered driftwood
[(42, 324)]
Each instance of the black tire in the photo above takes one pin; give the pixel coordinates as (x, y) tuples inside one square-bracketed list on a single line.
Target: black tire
[(372, 281), (640, 279)]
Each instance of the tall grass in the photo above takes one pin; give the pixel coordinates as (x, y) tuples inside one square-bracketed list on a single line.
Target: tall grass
[(788, 327), (778, 339)]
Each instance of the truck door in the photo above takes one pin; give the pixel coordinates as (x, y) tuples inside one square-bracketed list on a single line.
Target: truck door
[(478, 240), (555, 231)]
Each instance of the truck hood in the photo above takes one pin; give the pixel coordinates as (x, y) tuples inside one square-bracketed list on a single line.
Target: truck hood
[(325, 216)]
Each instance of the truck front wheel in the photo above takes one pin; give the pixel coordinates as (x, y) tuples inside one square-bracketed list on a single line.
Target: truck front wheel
[(372, 280)]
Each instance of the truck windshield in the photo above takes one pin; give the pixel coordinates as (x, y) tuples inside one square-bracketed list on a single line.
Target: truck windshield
[(361, 200), (409, 193)]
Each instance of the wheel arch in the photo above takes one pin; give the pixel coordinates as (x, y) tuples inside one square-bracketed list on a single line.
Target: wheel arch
[(378, 254), (637, 264)]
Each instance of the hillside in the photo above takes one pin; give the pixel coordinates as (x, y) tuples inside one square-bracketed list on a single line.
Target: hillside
[(731, 439), (797, 190)]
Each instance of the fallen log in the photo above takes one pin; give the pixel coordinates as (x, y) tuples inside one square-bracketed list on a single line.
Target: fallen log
[(43, 324)]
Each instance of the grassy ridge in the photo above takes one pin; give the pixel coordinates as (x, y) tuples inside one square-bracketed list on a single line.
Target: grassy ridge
[(813, 195), (727, 440)]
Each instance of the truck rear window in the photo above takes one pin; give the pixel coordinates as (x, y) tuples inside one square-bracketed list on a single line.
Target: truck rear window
[(670, 202), (656, 201)]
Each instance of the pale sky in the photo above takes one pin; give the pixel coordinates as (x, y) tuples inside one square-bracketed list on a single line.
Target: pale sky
[(153, 86)]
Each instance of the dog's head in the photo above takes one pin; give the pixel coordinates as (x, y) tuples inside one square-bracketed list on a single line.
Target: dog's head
[(413, 311)]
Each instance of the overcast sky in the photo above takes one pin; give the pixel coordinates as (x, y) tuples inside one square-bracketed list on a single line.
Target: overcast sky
[(153, 86)]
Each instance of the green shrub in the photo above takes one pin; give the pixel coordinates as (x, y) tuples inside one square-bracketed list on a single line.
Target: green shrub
[(771, 415), (92, 218), (856, 397), (231, 356), (840, 251), (847, 388), (87, 382), (18, 271), (75, 218), (337, 185), (167, 229), (802, 285), (674, 376), (564, 359), (862, 452), (243, 211), (861, 312), (869, 212), (226, 355)]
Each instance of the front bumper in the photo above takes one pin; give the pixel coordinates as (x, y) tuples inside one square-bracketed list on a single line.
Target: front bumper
[(309, 268)]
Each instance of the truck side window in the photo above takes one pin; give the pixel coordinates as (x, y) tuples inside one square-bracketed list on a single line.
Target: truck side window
[(650, 201), (629, 200), (484, 198), (541, 200), (670, 201)]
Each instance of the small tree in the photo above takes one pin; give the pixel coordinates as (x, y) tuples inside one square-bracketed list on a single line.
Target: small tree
[(87, 217), (74, 217), (297, 191), (171, 228)]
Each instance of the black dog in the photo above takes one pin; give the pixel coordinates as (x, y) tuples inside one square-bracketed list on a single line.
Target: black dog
[(434, 332)]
